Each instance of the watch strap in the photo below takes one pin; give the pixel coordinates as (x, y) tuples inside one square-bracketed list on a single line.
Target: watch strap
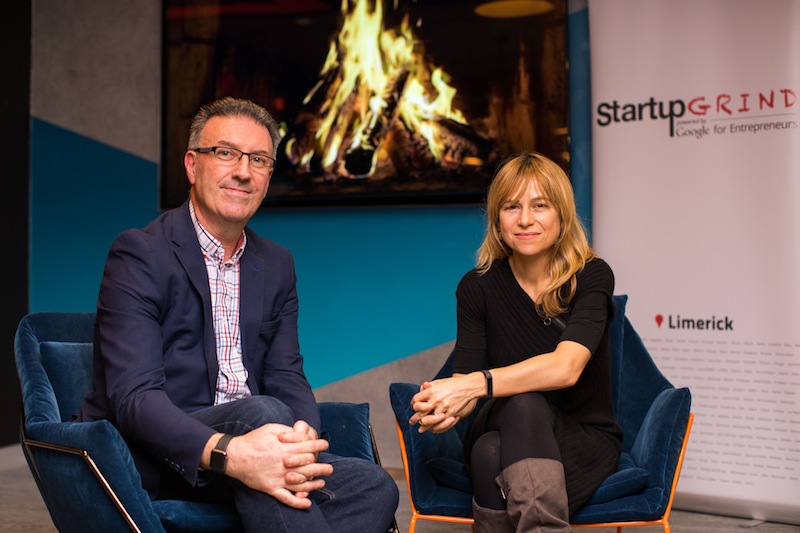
[(488, 375), (219, 455)]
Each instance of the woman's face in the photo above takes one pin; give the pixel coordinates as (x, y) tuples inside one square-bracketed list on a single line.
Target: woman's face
[(530, 224)]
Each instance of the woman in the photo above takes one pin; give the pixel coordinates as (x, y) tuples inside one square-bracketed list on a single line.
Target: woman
[(533, 343)]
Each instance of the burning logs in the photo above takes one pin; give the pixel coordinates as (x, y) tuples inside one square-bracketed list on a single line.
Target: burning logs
[(360, 160), (379, 108)]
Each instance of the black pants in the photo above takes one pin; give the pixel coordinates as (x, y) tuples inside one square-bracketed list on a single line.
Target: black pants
[(505, 431)]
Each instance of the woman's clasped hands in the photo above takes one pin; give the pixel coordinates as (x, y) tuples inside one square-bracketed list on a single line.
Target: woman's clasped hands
[(441, 404)]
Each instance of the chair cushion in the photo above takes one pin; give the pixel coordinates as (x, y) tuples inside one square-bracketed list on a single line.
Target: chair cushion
[(450, 473), (69, 367), (347, 428), (627, 480)]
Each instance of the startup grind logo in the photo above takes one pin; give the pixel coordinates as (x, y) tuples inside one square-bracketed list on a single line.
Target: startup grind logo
[(703, 116), (712, 323)]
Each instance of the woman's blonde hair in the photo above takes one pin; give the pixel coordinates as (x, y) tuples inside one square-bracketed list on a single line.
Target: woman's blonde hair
[(571, 251)]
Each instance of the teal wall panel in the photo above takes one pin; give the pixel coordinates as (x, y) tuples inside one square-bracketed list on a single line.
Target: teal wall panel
[(83, 193), (374, 284)]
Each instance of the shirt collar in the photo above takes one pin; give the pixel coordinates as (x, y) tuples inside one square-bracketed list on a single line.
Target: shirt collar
[(212, 247)]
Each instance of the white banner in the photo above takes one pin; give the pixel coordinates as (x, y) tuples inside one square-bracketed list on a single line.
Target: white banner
[(696, 149)]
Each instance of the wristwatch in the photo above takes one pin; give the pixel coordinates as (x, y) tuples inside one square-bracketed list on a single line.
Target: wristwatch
[(219, 455)]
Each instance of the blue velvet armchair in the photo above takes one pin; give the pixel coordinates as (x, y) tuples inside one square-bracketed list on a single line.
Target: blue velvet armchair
[(655, 418), (84, 470)]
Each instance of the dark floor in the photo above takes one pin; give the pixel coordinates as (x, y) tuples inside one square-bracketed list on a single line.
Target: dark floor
[(22, 509)]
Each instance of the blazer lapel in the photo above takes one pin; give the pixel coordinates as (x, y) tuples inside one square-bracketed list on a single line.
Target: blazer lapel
[(251, 306), (187, 251)]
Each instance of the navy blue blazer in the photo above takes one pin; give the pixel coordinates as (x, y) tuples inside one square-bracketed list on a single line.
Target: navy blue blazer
[(154, 347)]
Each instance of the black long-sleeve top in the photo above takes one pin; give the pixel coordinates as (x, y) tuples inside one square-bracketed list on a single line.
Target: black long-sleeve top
[(498, 325)]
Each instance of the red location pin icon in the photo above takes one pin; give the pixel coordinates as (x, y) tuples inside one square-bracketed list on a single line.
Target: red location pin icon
[(659, 319)]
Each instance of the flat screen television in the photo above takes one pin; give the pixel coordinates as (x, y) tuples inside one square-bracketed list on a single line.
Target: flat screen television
[(380, 102)]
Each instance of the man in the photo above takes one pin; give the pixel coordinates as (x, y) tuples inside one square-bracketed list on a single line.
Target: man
[(197, 359)]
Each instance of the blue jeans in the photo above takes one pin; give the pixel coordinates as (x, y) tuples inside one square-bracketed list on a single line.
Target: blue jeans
[(359, 495)]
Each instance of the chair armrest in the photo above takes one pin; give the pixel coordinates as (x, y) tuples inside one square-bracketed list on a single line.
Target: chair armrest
[(85, 469), (657, 446), (653, 461)]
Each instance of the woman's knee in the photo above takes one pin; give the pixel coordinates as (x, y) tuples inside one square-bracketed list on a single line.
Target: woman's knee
[(486, 448), (485, 458), (528, 429), (529, 406)]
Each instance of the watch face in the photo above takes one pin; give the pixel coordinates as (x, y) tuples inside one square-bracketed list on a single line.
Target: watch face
[(219, 455)]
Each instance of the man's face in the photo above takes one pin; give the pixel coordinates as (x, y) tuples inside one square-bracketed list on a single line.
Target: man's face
[(227, 193)]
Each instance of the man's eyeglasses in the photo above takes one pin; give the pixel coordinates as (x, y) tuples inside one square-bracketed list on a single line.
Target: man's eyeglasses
[(231, 156)]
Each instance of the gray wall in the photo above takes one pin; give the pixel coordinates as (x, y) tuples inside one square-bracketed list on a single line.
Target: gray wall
[(96, 70)]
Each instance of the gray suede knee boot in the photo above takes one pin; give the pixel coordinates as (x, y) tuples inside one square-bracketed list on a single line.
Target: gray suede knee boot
[(491, 520), (536, 494)]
